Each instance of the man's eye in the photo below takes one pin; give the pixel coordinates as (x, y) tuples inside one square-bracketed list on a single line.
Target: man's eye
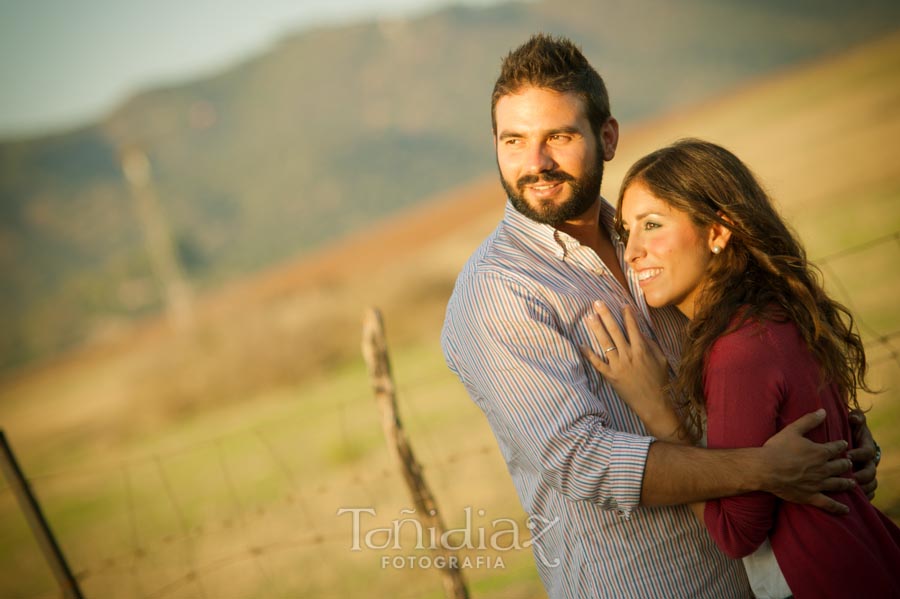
[(559, 138)]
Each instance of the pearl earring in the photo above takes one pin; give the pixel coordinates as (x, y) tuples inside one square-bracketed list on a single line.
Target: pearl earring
[(716, 249)]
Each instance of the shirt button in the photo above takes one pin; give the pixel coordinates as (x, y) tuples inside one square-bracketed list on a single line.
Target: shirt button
[(599, 271)]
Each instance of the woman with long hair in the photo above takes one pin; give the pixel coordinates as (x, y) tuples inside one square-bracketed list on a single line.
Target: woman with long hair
[(765, 345)]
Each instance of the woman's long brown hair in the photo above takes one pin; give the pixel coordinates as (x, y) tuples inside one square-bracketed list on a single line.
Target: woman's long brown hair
[(762, 274)]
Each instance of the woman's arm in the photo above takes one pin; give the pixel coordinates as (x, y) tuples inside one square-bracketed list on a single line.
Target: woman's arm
[(744, 384)]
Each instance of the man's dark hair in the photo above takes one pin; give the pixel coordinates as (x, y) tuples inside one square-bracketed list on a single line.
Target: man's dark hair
[(557, 64)]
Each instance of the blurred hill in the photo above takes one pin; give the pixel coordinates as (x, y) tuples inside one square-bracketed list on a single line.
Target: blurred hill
[(334, 128)]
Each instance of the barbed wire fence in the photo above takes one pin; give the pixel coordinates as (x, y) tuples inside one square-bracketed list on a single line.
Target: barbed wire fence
[(254, 511), (160, 555), (881, 343)]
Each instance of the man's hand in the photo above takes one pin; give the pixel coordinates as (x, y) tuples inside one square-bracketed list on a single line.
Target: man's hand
[(802, 470), (864, 457)]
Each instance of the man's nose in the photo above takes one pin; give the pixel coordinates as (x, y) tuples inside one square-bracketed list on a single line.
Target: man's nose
[(539, 159)]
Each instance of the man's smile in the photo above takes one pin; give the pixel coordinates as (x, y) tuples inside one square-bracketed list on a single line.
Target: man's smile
[(545, 189)]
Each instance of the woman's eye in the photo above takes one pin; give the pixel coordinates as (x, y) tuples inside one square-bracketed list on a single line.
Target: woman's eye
[(649, 226)]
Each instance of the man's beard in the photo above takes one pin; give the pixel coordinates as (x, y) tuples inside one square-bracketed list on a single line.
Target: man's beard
[(585, 192)]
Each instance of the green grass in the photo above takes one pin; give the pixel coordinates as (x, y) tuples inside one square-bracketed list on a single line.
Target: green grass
[(268, 472)]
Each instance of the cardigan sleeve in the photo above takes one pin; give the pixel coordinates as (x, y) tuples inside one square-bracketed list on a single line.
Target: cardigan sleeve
[(745, 386)]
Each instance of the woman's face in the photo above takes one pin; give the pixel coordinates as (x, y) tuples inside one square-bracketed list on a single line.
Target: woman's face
[(665, 248)]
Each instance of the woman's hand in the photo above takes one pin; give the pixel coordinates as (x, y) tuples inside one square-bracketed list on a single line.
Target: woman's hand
[(636, 368)]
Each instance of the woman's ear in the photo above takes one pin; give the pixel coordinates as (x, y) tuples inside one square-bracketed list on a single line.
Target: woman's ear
[(719, 234)]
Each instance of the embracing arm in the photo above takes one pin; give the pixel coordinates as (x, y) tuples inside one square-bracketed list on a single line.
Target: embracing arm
[(865, 455), (787, 465)]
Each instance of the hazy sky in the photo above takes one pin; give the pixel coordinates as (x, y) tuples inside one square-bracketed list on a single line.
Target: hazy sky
[(62, 63)]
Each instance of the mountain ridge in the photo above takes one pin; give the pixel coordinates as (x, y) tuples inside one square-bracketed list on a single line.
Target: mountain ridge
[(327, 131)]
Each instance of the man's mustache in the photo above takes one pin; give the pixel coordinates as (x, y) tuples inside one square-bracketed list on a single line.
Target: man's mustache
[(547, 177)]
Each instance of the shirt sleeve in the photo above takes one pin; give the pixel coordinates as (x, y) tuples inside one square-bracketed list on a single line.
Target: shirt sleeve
[(744, 390), (506, 345)]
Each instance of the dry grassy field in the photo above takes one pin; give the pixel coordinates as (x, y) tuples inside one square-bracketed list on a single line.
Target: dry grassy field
[(214, 463)]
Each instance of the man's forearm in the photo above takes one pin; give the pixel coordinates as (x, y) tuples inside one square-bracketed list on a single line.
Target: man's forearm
[(676, 474), (788, 465)]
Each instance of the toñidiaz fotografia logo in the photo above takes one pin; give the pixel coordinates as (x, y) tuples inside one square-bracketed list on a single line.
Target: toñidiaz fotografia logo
[(480, 544)]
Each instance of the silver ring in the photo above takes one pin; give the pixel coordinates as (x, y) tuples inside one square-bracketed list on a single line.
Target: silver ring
[(609, 349)]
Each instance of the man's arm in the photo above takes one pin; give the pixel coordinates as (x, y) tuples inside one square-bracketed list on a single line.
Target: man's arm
[(508, 347), (865, 454), (528, 379), (789, 465)]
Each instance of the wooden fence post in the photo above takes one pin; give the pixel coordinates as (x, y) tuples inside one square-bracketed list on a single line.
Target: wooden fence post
[(37, 522), (374, 348), (158, 240)]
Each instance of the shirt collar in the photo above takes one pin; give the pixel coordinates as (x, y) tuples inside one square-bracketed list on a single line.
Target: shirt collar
[(554, 240)]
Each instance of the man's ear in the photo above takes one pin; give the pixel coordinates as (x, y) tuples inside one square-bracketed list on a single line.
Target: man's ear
[(609, 138)]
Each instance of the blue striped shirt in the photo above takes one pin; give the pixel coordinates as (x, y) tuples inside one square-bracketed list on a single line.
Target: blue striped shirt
[(575, 451)]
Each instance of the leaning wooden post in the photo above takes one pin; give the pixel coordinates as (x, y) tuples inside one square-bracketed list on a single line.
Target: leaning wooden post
[(374, 349), (37, 522), (158, 238)]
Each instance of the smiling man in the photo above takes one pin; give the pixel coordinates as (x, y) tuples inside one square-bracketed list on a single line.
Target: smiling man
[(605, 498), (542, 171)]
